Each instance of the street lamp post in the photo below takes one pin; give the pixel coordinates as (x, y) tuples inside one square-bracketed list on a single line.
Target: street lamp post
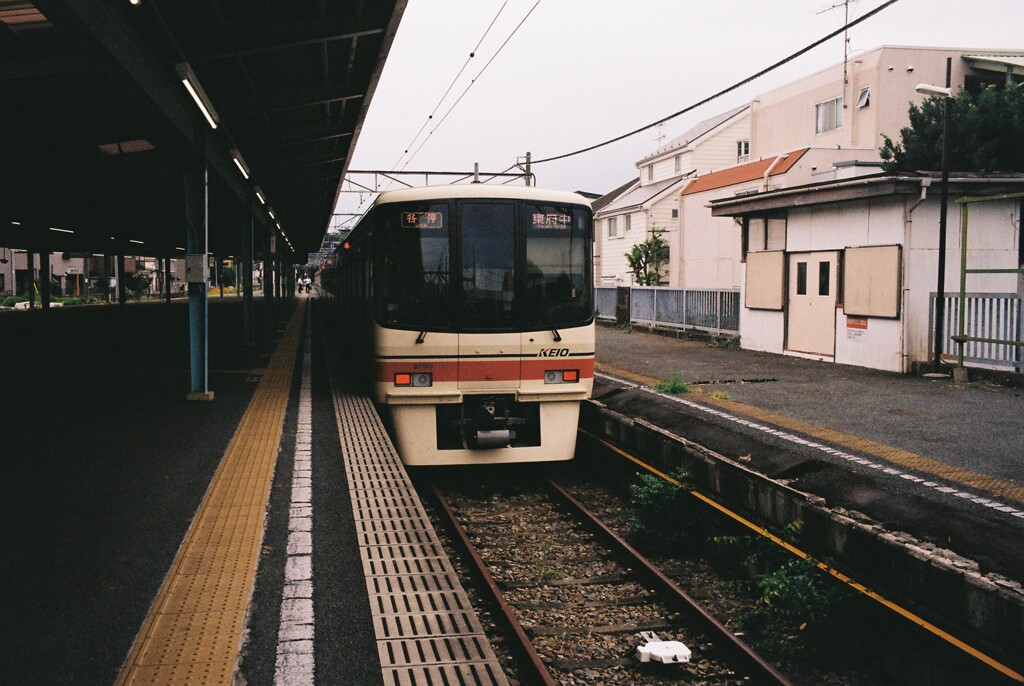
[(940, 300)]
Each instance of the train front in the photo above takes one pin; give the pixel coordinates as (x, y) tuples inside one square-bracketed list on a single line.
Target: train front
[(484, 337)]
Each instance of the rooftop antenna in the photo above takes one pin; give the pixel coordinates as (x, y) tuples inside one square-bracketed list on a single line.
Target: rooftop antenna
[(661, 134), (845, 4)]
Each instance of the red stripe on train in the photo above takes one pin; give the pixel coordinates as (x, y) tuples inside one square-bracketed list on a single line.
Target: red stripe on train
[(529, 369)]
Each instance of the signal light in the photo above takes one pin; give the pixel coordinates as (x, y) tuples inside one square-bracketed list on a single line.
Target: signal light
[(562, 376), (416, 380)]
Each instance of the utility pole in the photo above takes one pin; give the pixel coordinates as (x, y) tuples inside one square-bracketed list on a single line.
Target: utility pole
[(526, 168)]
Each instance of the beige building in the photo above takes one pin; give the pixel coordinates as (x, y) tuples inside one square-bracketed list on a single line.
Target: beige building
[(850, 105), (827, 126)]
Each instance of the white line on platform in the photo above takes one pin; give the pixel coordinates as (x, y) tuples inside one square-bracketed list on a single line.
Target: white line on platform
[(295, 664)]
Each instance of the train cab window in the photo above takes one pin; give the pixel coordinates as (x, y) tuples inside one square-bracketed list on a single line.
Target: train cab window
[(557, 249), (412, 266), (488, 265)]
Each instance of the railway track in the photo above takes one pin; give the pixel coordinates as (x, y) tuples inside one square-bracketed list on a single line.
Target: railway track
[(576, 597)]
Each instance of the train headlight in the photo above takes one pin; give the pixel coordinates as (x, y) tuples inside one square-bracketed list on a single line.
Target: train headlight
[(416, 380), (562, 376)]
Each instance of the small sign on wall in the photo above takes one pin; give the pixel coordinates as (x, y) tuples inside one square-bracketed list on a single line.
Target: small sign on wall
[(856, 327)]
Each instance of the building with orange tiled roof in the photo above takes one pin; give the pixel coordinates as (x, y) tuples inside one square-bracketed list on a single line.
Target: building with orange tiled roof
[(652, 200)]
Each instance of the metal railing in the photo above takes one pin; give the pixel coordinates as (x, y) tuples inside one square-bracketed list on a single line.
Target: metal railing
[(992, 328), (712, 310)]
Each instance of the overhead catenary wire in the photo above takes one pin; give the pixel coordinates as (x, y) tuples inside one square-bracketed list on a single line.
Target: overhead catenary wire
[(465, 64), (722, 92), (474, 80), (472, 54)]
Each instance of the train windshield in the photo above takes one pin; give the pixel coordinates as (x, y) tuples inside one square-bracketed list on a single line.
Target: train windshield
[(468, 265), (488, 265), (558, 289), (413, 269)]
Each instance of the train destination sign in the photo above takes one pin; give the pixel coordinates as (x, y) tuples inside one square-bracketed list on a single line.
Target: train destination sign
[(542, 220), (422, 220)]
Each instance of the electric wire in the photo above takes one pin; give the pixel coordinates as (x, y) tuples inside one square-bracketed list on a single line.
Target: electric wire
[(722, 92), (472, 54), (474, 80), (430, 117)]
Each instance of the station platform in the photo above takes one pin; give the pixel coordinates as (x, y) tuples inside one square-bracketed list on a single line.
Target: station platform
[(283, 500), (939, 461), (167, 542)]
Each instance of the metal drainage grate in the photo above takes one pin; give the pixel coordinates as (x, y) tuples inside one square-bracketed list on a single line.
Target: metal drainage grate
[(427, 631)]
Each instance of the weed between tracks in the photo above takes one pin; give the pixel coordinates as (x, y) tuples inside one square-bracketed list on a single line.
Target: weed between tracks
[(786, 608)]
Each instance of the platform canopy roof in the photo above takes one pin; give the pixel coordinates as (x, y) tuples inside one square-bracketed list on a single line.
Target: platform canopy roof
[(97, 126)]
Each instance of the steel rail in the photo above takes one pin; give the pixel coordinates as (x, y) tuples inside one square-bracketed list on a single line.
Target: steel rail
[(533, 661), (755, 665)]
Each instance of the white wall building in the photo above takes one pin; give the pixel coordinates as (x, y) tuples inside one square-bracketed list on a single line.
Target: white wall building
[(706, 250), (652, 201), (843, 270)]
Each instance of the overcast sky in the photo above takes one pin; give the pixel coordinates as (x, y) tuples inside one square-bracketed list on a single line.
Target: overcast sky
[(578, 72)]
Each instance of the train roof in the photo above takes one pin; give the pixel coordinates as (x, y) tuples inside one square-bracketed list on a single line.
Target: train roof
[(481, 190)]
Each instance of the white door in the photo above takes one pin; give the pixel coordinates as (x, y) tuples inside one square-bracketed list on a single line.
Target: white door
[(812, 303)]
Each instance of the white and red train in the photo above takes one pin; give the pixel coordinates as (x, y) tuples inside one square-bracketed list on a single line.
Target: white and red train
[(471, 310)]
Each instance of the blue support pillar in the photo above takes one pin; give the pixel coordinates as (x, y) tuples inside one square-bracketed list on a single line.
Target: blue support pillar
[(268, 276), (122, 281), (44, 279), (196, 237), (277, 278), (244, 276), (167, 279)]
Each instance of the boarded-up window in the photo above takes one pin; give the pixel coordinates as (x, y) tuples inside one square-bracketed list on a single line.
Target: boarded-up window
[(776, 236), (766, 234), (871, 281), (765, 281)]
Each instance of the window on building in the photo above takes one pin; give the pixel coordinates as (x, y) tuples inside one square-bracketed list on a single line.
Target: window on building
[(629, 222), (611, 227), (650, 172), (775, 238), (742, 151), (675, 214), (801, 278), (864, 98), (765, 234), (679, 163), (828, 115)]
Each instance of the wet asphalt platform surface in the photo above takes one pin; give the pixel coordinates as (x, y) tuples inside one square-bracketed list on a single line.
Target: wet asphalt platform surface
[(978, 427)]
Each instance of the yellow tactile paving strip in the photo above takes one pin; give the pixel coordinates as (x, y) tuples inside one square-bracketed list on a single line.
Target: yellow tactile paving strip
[(194, 629), (904, 458)]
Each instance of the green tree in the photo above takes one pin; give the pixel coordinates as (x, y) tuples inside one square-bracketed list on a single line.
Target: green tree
[(139, 282), (648, 260), (986, 133)]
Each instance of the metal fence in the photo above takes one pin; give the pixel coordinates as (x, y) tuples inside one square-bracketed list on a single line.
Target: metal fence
[(992, 316), (716, 311)]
